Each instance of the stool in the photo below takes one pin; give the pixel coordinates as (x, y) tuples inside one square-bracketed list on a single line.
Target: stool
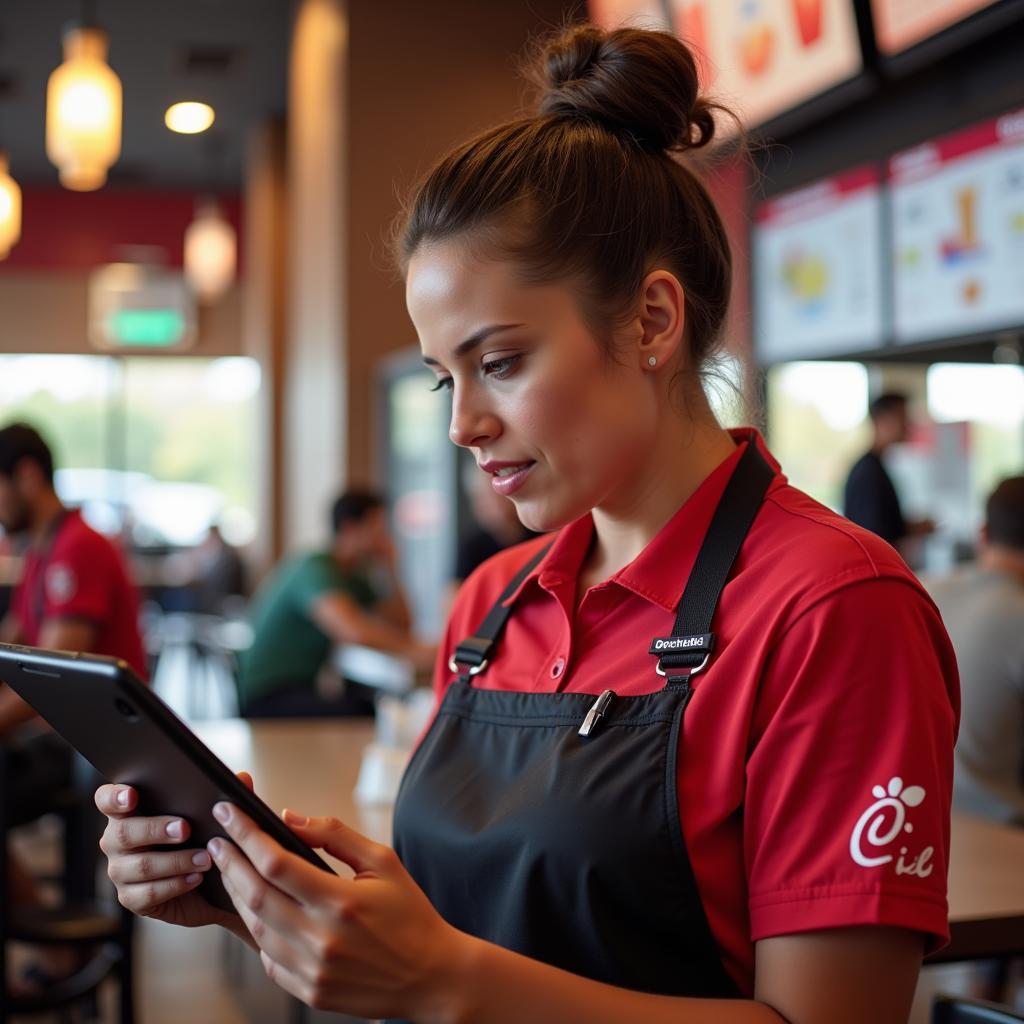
[(79, 922)]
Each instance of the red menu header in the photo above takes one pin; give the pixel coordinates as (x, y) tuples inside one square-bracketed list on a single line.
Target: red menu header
[(824, 195), (928, 159)]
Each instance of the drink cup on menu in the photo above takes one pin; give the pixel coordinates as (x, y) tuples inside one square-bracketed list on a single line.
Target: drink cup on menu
[(808, 20)]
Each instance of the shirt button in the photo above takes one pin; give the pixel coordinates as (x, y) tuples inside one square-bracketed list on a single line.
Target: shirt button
[(557, 668)]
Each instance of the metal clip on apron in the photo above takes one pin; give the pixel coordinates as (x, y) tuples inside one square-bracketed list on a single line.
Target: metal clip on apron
[(548, 823)]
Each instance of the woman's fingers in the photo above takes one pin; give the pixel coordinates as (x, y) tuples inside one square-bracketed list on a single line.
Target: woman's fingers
[(285, 871), (127, 834), (247, 779), (261, 905), (152, 865), (283, 947), (144, 897), (360, 853), (115, 800)]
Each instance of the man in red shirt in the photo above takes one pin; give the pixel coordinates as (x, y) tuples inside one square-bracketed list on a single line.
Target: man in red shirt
[(74, 595)]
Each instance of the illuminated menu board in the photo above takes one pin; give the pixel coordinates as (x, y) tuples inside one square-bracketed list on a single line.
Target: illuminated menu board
[(612, 14), (958, 232), (817, 270), (900, 24), (763, 57)]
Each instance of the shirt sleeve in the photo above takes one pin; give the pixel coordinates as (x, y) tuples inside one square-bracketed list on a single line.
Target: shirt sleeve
[(850, 777), (78, 581)]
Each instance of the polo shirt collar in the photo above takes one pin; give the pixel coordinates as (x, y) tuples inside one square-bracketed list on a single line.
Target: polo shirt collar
[(659, 573)]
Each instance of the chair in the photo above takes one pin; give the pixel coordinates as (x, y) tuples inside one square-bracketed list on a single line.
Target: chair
[(80, 920), (956, 1010)]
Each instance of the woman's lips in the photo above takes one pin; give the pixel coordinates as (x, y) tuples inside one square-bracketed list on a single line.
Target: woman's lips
[(507, 484)]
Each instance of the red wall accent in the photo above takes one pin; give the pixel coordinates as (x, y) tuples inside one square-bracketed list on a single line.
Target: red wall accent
[(730, 186), (69, 231)]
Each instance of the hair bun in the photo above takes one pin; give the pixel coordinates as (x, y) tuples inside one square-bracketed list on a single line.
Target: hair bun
[(638, 84)]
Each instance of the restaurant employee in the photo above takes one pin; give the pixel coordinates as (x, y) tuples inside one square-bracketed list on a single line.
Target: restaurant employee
[(693, 755)]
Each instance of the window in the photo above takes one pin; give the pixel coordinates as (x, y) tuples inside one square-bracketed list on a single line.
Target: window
[(159, 447)]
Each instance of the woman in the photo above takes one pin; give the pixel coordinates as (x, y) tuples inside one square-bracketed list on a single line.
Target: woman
[(577, 838)]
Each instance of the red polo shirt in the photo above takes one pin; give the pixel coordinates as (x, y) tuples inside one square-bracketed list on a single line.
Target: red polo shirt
[(79, 574), (816, 763)]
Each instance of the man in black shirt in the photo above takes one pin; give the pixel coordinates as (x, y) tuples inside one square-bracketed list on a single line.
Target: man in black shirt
[(870, 498)]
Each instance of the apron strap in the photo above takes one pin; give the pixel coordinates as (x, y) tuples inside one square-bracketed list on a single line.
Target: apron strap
[(691, 643), (474, 653)]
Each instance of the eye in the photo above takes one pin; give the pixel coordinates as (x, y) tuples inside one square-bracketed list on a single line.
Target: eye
[(443, 384), (501, 368)]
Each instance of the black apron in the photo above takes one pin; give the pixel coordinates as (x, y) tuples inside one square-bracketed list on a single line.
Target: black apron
[(548, 823)]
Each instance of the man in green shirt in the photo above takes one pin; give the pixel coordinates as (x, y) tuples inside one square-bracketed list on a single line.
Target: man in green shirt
[(321, 599)]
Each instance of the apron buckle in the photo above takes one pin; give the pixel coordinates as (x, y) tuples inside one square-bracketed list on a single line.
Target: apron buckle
[(693, 671), (473, 670)]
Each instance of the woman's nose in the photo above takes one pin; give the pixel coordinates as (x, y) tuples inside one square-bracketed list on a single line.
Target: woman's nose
[(471, 425)]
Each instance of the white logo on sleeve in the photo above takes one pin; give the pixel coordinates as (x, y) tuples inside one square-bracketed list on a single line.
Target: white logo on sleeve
[(61, 583), (885, 821)]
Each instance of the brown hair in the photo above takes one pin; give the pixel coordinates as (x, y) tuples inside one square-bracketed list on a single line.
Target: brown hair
[(1004, 514), (591, 188)]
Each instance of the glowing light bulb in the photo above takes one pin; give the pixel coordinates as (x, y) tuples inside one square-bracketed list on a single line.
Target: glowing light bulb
[(189, 118), (210, 253), (10, 209), (83, 112)]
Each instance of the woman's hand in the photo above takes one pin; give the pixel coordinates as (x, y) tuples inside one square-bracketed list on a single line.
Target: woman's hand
[(370, 946), (151, 882)]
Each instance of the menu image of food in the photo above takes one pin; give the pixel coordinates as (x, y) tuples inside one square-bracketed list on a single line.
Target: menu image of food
[(958, 232), (763, 57), (817, 272), (900, 24)]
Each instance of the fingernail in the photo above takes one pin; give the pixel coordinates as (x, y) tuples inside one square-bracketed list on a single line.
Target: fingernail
[(192, 879), (222, 812), (175, 829), (201, 859), (216, 848), (294, 819), (122, 797)]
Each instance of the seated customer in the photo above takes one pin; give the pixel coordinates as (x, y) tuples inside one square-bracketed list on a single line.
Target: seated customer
[(74, 595), (317, 601), (983, 608)]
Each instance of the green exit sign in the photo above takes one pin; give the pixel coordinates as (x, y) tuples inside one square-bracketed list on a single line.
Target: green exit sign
[(146, 328), (141, 307)]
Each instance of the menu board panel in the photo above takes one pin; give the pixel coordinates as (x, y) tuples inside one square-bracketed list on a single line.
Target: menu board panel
[(958, 232), (612, 14), (817, 270), (763, 57), (900, 24)]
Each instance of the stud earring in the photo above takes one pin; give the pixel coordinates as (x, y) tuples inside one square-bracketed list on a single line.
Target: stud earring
[(652, 360)]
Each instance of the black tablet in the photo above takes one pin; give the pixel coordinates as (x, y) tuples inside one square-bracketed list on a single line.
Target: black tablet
[(133, 738)]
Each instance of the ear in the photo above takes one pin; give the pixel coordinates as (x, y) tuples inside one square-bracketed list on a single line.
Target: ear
[(662, 319)]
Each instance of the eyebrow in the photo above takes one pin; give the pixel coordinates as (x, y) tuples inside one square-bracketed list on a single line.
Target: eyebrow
[(472, 341)]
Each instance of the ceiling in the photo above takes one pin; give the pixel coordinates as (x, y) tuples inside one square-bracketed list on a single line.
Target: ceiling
[(231, 54)]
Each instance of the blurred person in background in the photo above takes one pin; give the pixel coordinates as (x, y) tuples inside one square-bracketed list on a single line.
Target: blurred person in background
[(212, 576), (982, 605), (869, 498), (74, 594), (317, 601), (496, 525)]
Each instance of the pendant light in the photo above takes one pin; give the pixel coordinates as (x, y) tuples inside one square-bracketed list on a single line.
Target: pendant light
[(211, 248), (83, 110), (10, 209)]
